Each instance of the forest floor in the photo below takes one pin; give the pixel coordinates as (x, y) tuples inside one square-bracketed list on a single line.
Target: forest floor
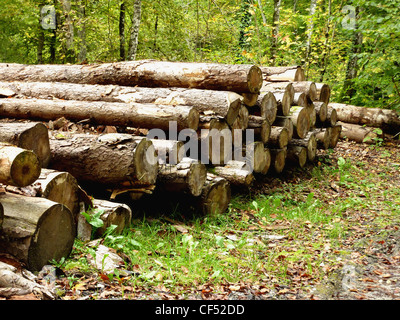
[(329, 231)]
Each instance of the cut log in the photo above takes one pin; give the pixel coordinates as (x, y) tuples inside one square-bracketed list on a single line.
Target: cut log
[(300, 99), (331, 117), (312, 114), (287, 123), (261, 127), (115, 114), (249, 99), (323, 92), (258, 157), (189, 175), (216, 195), (279, 137), (30, 136), (309, 142), (291, 73), (323, 137), (225, 104), (216, 144), (307, 87), (18, 167), (36, 230), (108, 159), (321, 109), (387, 120), (335, 136), (144, 73), (242, 120), (266, 107), (278, 159), (357, 133), (169, 151), (279, 87), (296, 155), (236, 172), (283, 93), (301, 121)]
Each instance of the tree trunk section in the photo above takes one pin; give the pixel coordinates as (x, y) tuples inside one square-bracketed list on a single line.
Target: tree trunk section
[(323, 92), (144, 73), (258, 157), (134, 37), (18, 167), (169, 151), (261, 127), (296, 155), (29, 136), (301, 121), (109, 159), (357, 133), (321, 109), (323, 137), (335, 136), (308, 88), (236, 172), (36, 230), (278, 159), (265, 107), (279, 137), (287, 123), (309, 142), (283, 74), (106, 113)]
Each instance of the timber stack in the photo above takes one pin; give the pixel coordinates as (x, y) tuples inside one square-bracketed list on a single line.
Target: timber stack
[(146, 129)]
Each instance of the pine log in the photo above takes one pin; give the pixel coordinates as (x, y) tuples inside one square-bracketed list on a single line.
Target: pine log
[(242, 120), (30, 136), (331, 117), (279, 137), (261, 127), (144, 73), (169, 151), (283, 93), (308, 87), (323, 137), (323, 92), (301, 121), (215, 196), (309, 142), (300, 99), (108, 159), (236, 172), (296, 155), (36, 230), (335, 136), (357, 133), (279, 87), (225, 104), (287, 123), (258, 157), (387, 120), (188, 175), (291, 73), (266, 106), (312, 114), (115, 114), (215, 144), (18, 167), (278, 159), (321, 109), (249, 99)]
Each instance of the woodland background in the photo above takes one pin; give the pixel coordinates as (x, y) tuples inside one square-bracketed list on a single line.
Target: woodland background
[(354, 46)]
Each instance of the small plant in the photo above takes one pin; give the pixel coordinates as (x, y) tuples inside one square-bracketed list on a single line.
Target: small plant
[(93, 217)]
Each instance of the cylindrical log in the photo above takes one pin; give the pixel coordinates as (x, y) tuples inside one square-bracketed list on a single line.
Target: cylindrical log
[(258, 157), (387, 120), (283, 93), (236, 172), (300, 99), (215, 196), (301, 121), (242, 120), (321, 109), (279, 137), (296, 155), (145, 73), (308, 87), (312, 114), (19, 167), (266, 106), (109, 159), (116, 114), (30, 136), (278, 159), (309, 142), (291, 73), (323, 92), (287, 123), (261, 127), (323, 137), (279, 87), (169, 151), (188, 175), (36, 230), (357, 133), (335, 136), (249, 99), (225, 104)]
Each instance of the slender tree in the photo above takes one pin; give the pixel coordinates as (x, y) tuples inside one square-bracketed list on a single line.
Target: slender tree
[(275, 30), (134, 37), (122, 54)]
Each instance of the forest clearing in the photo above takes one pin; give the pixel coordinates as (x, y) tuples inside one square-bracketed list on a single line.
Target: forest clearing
[(221, 179)]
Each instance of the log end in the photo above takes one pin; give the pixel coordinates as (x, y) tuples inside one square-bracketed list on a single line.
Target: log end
[(146, 162), (25, 169), (196, 178), (254, 79), (216, 197)]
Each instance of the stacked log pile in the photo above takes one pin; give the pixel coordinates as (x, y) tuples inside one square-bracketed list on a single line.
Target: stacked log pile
[(160, 128)]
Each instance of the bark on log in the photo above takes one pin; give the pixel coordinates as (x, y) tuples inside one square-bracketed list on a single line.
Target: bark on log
[(296, 155), (266, 107), (279, 87), (301, 121), (30, 136), (335, 136), (261, 127), (279, 137), (109, 159), (312, 114), (387, 120), (145, 73), (236, 172), (1, 216), (321, 109), (357, 133), (215, 196), (36, 230), (323, 137), (258, 157), (189, 175), (300, 99), (308, 87), (309, 142), (331, 117), (278, 74), (323, 92), (278, 159), (283, 93), (248, 99), (287, 123), (225, 104), (169, 151), (115, 114), (216, 144), (242, 120), (18, 167)]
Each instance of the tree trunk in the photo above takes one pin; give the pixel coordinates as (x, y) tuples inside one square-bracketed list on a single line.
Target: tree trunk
[(223, 103), (242, 120), (300, 100), (30, 136), (69, 33), (19, 167), (278, 159), (357, 133), (279, 137), (265, 107), (287, 123), (309, 142), (297, 156), (323, 92), (283, 74), (114, 114), (312, 114), (143, 73), (260, 158), (335, 136), (323, 137), (307, 87), (109, 159), (301, 121), (313, 5), (387, 120), (275, 31), (36, 230), (1, 217), (261, 127), (189, 175), (321, 109), (236, 173), (215, 196), (134, 38), (284, 96), (82, 54), (216, 143), (169, 151), (249, 99), (121, 29)]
